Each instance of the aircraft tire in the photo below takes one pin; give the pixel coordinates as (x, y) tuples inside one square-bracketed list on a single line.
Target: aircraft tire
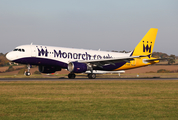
[(91, 76), (28, 73), (71, 76)]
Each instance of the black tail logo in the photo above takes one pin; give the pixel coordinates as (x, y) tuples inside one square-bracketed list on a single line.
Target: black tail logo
[(147, 47)]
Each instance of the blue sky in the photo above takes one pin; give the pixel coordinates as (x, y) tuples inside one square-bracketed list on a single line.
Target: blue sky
[(94, 24)]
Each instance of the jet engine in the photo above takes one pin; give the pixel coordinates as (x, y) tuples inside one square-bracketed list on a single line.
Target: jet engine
[(77, 67), (48, 69)]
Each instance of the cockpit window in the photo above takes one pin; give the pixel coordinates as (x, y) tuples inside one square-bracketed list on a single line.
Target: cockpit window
[(20, 50)]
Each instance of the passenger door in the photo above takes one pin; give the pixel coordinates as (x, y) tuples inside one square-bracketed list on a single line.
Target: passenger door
[(33, 51)]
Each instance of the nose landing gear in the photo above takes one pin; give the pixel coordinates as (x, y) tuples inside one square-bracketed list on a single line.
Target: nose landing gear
[(28, 72)]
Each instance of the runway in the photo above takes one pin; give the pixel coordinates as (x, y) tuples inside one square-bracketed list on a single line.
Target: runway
[(80, 79)]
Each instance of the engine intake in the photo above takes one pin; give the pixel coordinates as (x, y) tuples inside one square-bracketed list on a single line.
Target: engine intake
[(77, 67)]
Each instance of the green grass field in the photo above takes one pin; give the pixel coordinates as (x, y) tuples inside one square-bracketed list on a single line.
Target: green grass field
[(90, 99)]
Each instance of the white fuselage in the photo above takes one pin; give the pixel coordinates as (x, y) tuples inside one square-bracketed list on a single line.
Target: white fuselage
[(60, 54)]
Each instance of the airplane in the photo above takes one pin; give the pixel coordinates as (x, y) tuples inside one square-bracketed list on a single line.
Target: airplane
[(50, 59)]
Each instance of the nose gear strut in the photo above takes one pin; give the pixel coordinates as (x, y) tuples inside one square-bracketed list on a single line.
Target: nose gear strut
[(28, 72)]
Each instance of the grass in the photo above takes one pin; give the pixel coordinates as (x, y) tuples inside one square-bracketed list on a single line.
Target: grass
[(132, 99)]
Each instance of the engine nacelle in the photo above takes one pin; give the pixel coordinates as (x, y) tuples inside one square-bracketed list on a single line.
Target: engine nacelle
[(48, 69), (77, 67)]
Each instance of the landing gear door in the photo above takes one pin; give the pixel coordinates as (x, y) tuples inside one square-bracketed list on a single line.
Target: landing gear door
[(33, 51)]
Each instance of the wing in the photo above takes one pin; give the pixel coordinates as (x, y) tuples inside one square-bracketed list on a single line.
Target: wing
[(112, 61)]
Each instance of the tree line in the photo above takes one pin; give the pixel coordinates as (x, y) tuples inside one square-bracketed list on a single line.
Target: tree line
[(171, 59), (3, 60)]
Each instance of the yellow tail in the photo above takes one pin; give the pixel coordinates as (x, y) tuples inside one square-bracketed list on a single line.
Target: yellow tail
[(145, 46)]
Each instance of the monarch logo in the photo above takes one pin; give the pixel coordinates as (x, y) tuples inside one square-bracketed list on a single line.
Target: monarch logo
[(42, 52), (147, 47)]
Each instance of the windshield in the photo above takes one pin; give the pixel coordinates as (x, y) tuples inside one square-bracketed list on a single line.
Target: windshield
[(18, 49)]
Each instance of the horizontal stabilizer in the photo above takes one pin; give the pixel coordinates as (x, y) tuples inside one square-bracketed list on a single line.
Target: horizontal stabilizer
[(152, 60)]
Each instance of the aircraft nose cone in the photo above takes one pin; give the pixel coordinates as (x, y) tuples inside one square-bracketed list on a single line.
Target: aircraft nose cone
[(10, 56)]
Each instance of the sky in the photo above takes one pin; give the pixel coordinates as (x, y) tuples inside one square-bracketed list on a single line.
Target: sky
[(89, 24)]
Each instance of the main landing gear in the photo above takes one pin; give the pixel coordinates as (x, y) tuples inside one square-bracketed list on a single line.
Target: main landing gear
[(71, 76), (90, 76), (28, 72)]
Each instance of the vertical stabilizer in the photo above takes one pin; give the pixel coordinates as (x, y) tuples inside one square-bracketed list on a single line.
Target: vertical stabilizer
[(145, 46)]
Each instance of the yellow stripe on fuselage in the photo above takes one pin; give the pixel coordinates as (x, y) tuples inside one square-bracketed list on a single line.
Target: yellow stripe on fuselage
[(137, 62)]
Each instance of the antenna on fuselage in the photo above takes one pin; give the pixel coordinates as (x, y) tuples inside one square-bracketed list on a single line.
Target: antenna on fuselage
[(31, 43)]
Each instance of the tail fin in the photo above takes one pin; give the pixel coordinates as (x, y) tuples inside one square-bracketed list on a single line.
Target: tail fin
[(145, 46)]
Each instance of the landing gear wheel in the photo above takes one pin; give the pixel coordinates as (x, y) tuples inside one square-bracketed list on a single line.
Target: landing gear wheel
[(28, 73), (91, 76), (71, 76)]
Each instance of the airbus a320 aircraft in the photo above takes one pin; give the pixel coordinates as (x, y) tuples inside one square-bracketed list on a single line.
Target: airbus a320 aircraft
[(51, 59)]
